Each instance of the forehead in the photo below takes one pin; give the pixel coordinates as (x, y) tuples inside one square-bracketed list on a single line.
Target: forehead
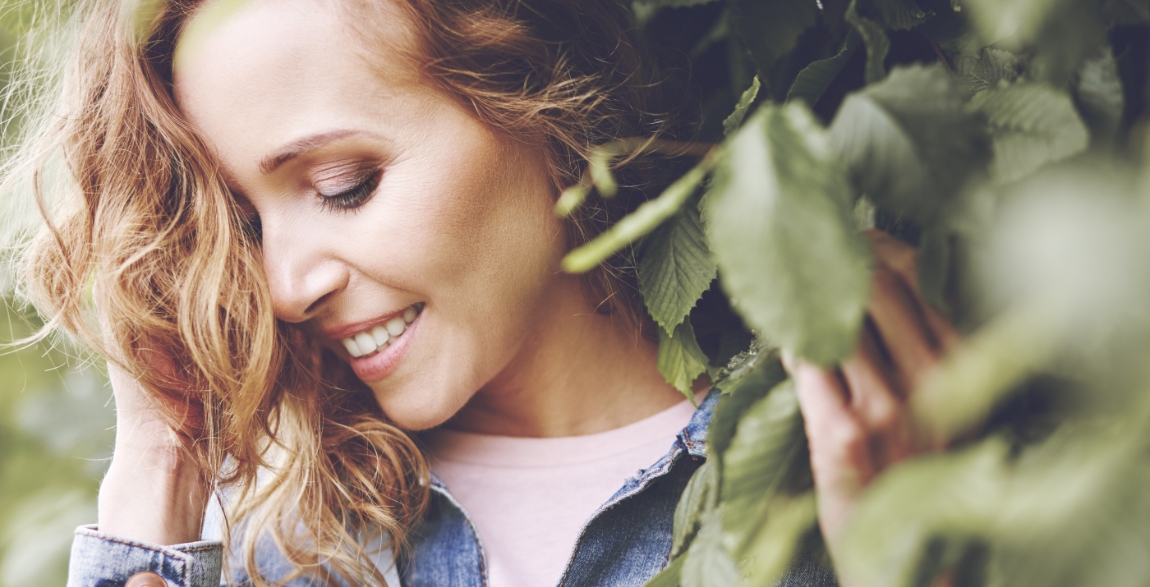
[(249, 73)]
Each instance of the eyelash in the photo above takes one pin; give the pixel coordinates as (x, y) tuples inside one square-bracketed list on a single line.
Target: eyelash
[(352, 198)]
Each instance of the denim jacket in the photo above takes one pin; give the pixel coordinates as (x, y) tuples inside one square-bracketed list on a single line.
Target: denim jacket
[(625, 543)]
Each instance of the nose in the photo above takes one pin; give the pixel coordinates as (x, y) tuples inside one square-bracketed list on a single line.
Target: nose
[(301, 274)]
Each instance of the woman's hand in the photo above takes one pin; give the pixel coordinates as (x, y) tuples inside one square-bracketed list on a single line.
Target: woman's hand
[(153, 490), (856, 417)]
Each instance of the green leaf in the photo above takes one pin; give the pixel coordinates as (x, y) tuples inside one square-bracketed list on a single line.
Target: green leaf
[(770, 29), (899, 15), (643, 220), (988, 69), (732, 122), (1128, 12), (813, 81), (739, 395), (961, 393), (1098, 92), (708, 563), (908, 142), (773, 546), (670, 576), (778, 187), (676, 268), (933, 265), (767, 456), (673, 3), (599, 166), (700, 497), (874, 38), (680, 360), (1031, 125), (571, 199), (1061, 34)]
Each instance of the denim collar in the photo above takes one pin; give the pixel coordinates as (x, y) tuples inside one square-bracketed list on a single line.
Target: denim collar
[(694, 436)]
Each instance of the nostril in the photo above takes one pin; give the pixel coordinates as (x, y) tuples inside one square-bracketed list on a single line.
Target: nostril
[(311, 310)]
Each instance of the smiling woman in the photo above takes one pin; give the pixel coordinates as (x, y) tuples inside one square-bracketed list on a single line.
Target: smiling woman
[(325, 255)]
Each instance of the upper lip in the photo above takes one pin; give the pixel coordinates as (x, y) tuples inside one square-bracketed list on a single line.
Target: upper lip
[(337, 333)]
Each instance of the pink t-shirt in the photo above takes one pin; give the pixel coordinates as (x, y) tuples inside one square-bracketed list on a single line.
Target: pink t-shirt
[(530, 497)]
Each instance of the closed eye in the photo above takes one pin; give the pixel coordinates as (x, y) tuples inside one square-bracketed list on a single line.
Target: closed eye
[(352, 198)]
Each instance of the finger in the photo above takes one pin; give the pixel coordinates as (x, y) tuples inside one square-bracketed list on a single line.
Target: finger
[(902, 259), (875, 399), (840, 457), (837, 437), (901, 330)]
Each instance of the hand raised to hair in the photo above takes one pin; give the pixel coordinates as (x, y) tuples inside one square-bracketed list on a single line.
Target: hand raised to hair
[(153, 490), (856, 416)]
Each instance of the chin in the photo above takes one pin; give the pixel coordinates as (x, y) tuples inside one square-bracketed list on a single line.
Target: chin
[(417, 407)]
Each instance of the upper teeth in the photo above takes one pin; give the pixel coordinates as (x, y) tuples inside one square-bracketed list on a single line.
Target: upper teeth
[(377, 339)]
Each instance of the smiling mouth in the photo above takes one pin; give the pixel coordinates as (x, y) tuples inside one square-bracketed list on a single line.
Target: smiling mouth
[(370, 342)]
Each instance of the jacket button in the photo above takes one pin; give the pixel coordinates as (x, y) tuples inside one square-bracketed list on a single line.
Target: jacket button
[(146, 580)]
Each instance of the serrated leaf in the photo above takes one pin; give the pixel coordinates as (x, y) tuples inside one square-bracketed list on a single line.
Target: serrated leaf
[(670, 576), (1031, 125), (779, 222), (770, 30), (908, 143), (988, 69), (676, 268), (680, 360), (899, 15), (640, 222), (708, 563), (1060, 33), (874, 39), (813, 81), (700, 497), (732, 122)]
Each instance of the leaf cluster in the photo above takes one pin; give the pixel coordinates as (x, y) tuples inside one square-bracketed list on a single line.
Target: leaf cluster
[(1003, 139)]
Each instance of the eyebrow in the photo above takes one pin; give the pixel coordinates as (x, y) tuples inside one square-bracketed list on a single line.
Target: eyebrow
[(299, 147)]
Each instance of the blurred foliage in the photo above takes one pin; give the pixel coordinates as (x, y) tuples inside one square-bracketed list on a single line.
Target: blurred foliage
[(56, 419), (1005, 139)]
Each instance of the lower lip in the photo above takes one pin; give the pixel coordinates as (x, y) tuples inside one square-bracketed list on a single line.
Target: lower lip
[(382, 364)]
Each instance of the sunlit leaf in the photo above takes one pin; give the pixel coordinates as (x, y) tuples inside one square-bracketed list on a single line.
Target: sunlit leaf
[(680, 360), (780, 224), (640, 222), (1031, 125), (732, 122)]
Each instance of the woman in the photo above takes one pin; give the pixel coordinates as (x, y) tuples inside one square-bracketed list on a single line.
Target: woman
[(317, 226)]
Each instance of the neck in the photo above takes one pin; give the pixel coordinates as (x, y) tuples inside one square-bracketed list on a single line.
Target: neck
[(579, 372)]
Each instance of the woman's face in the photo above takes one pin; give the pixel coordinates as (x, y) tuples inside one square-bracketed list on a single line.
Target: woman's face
[(378, 196)]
